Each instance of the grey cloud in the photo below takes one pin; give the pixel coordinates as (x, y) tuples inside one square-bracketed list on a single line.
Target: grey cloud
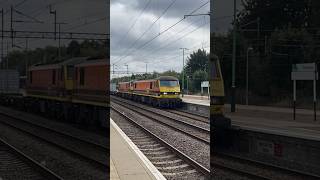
[(73, 12)]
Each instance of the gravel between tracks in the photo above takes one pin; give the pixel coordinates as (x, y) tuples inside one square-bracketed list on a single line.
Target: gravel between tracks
[(171, 166), (64, 164), (168, 113), (197, 150), (256, 169), (12, 167), (191, 131), (62, 127)]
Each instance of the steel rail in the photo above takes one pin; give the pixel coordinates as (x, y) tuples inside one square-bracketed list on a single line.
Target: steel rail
[(98, 145), (184, 114), (268, 166), (34, 164), (178, 120), (101, 164), (164, 123), (179, 153)]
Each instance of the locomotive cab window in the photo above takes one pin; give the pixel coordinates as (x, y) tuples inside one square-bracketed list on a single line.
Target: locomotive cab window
[(30, 77), (53, 76), (151, 85), (169, 83), (70, 72), (82, 76)]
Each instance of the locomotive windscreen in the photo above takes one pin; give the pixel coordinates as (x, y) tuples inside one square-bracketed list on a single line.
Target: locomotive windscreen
[(169, 83)]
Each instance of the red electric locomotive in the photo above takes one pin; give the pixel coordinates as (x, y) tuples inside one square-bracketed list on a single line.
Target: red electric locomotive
[(75, 90)]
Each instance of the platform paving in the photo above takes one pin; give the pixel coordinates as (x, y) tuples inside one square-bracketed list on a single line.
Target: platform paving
[(274, 120), (126, 161)]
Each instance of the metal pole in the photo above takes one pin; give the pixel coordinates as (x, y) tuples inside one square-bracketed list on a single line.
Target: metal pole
[(182, 72), (7, 54), (55, 22), (11, 25), (127, 68), (146, 68), (26, 56), (315, 92), (233, 88), (294, 99), (59, 50), (187, 84), (2, 27), (247, 78), (258, 31), (55, 25), (265, 45)]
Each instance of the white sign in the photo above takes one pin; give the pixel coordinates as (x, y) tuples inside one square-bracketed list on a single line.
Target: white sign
[(305, 67), (306, 71), (304, 75), (205, 84)]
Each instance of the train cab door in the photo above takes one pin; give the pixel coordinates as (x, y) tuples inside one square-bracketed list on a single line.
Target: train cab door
[(130, 86), (69, 77)]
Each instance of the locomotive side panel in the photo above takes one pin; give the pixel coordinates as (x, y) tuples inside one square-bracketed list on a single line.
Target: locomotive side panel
[(91, 82), (146, 87), (45, 82)]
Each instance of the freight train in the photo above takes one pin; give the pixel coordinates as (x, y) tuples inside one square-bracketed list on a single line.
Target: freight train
[(163, 91), (75, 90)]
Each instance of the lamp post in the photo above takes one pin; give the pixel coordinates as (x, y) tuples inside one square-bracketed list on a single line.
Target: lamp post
[(183, 49), (233, 84), (188, 85), (247, 75)]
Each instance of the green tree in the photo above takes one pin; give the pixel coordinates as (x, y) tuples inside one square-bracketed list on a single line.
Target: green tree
[(197, 61), (197, 77)]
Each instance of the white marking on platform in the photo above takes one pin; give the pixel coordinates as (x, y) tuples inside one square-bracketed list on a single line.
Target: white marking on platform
[(163, 157), (175, 174), (175, 167), (157, 153), (168, 162), (154, 171), (153, 149)]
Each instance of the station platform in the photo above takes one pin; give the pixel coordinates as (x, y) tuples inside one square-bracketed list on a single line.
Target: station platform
[(193, 99), (273, 120), (269, 134), (127, 162)]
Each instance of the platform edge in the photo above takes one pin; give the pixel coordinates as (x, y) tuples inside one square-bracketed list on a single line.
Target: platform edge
[(142, 158)]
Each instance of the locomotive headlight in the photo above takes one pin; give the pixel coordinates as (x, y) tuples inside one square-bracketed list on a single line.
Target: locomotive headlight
[(165, 93)]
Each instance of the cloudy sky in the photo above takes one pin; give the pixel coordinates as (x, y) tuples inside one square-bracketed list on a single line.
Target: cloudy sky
[(79, 16), (223, 15), (140, 37)]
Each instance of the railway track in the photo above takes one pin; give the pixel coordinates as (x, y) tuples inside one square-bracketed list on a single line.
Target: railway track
[(92, 152), (194, 131), (14, 164), (171, 162), (259, 170), (255, 170), (193, 116)]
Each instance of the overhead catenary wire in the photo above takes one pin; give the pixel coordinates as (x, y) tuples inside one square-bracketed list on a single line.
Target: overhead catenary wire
[(147, 30), (161, 33), (44, 8), (176, 40), (134, 23), (195, 29)]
